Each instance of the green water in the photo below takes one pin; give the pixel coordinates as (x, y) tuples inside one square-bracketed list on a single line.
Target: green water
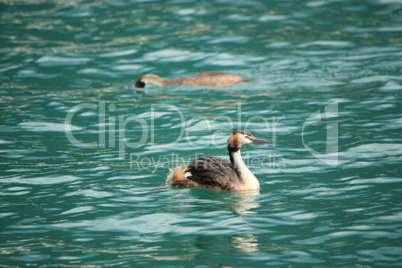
[(81, 149)]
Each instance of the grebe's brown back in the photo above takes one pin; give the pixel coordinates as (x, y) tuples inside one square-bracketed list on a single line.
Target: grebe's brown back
[(216, 173), (208, 79)]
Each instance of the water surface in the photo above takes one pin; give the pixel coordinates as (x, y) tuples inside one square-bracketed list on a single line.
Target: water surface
[(81, 148)]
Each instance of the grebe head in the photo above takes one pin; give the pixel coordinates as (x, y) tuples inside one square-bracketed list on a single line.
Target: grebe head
[(139, 83), (150, 78), (240, 137)]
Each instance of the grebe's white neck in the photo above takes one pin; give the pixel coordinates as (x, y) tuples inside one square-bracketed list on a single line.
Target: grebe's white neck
[(154, 79), (248, 178)]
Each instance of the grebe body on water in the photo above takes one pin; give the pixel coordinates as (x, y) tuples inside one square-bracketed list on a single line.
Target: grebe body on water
[(208, 79), (216, 173)]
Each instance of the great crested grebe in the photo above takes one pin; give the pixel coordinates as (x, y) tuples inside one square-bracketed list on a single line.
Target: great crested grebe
[(208, 79), (216, 173)]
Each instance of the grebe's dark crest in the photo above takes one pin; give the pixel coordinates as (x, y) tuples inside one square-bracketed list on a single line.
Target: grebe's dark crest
[(208, 79), (216, 173)]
